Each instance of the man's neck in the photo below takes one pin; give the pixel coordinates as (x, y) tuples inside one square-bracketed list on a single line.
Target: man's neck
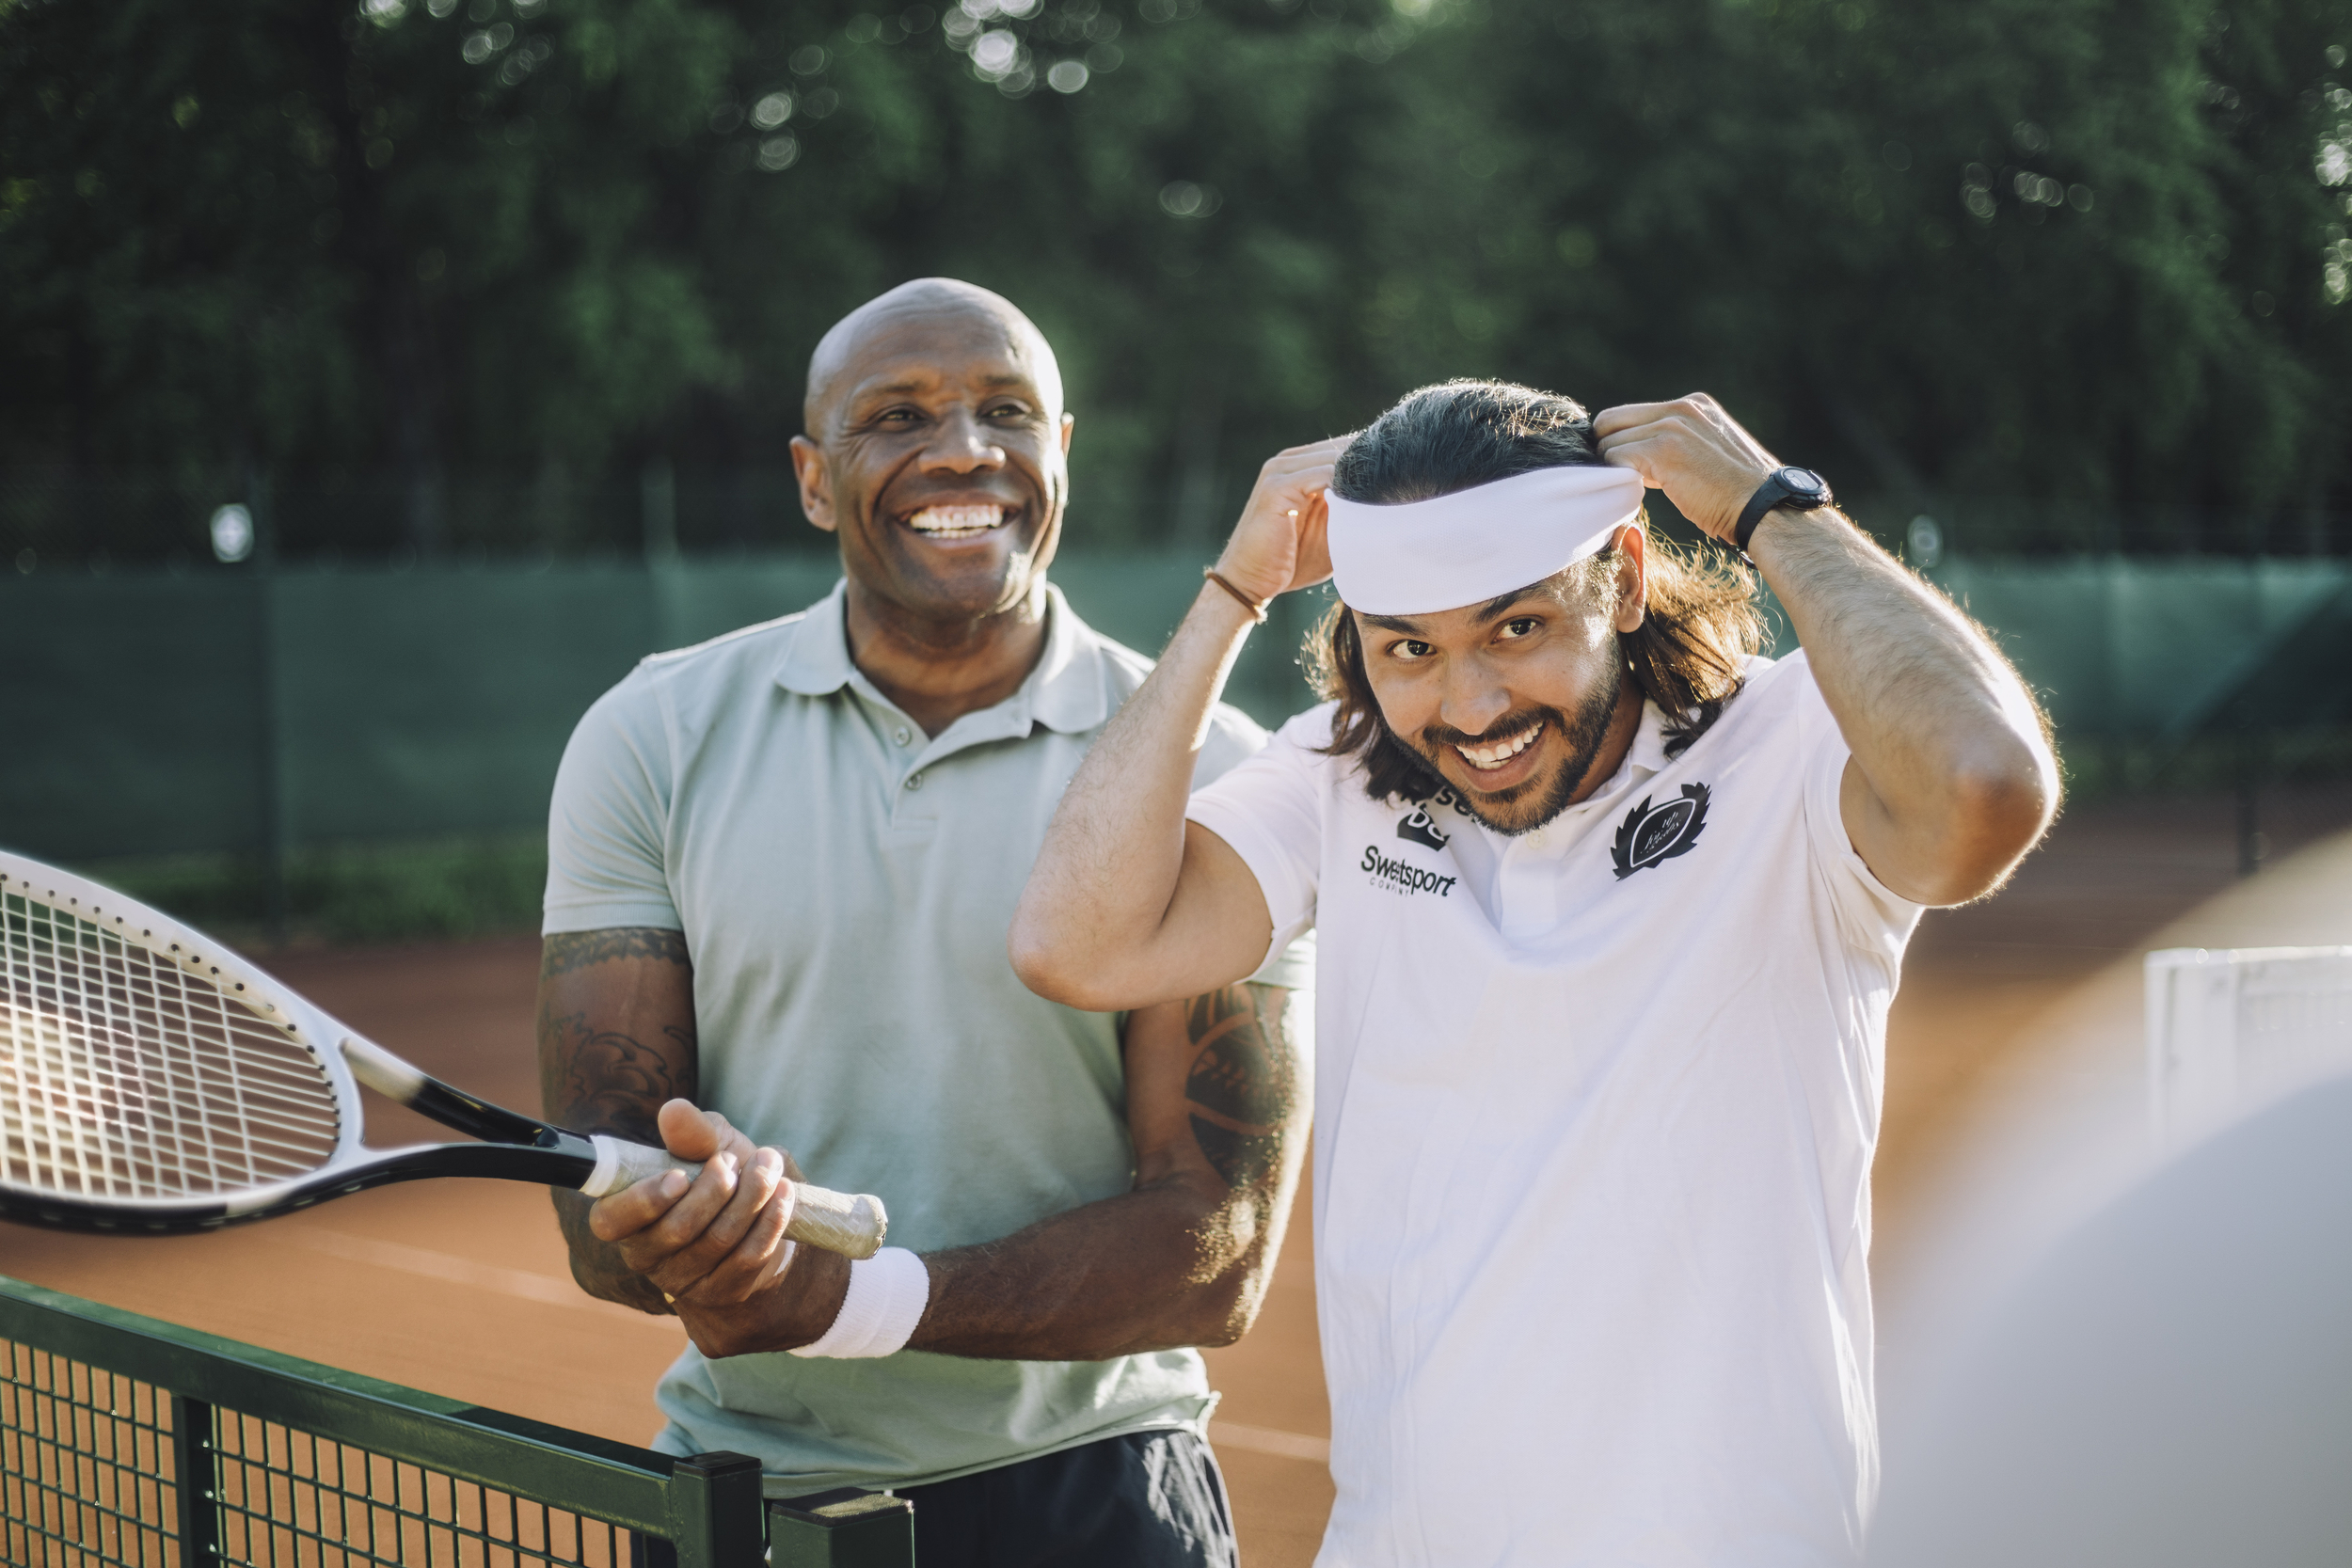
[(938, 670)]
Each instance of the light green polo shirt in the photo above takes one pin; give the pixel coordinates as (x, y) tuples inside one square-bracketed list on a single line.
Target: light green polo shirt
[(845, 885)]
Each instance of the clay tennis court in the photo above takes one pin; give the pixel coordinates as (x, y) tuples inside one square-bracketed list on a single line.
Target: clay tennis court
[(461, 1288)]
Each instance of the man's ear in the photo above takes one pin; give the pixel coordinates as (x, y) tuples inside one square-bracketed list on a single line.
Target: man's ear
[(808, 466), (1632, 577), (1068, 423)]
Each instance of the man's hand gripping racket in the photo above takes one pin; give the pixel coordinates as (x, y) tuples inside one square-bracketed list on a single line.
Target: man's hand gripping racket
[(151, 1080)]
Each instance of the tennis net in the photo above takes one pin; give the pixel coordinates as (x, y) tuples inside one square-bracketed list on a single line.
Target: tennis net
[(130, 1443)]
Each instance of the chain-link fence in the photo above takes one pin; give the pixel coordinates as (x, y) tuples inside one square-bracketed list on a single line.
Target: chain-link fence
[(61, 522), (52, 522)]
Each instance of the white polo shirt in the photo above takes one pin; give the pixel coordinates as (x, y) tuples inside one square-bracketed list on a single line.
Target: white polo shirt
[(1594, 1109)]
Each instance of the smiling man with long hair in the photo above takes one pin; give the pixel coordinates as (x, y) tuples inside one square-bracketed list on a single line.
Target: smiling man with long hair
[(1611, 909)]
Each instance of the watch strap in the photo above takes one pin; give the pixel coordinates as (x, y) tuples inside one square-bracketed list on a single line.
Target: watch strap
[(1768, 495), (1777, 491)]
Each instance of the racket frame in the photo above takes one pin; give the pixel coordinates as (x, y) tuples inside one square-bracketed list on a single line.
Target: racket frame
[(515, 1146)]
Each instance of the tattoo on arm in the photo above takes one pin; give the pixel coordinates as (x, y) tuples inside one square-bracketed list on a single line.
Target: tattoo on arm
[(601, 1072), (568, 950), (1244, 1084), (608, 1082)]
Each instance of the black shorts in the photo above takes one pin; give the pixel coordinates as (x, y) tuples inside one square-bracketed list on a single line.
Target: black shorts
[(1148, 1500)]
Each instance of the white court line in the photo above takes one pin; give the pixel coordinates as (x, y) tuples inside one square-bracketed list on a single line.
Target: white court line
[(1283, 1444), (547, 1290)]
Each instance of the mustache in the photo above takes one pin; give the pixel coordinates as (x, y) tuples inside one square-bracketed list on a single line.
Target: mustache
[(1435, 737)]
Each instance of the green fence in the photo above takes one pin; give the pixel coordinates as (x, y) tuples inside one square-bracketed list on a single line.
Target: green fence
[(128, 1443), (151, 714)]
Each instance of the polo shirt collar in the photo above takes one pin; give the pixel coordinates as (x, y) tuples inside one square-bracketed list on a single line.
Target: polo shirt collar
[(1070, 690), (815, 663), (1648, 754)]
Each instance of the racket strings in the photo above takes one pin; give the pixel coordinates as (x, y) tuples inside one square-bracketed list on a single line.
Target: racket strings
[(123, 1077)]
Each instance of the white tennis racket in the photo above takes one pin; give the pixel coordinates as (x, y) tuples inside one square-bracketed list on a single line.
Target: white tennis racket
[(152, 1081)]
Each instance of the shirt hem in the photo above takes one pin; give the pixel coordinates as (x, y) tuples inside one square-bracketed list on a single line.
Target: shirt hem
[(789, 1486), (563, 919)]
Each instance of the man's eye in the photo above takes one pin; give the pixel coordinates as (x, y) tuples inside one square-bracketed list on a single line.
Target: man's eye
[(1522, 627), (1409, 649), (896, 415), (1007, 411)]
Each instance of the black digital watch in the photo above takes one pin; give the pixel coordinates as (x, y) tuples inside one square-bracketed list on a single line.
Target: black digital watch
[(1797, 489)]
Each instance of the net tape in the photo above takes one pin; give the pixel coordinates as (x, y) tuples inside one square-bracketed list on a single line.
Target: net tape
[(123, 1077)]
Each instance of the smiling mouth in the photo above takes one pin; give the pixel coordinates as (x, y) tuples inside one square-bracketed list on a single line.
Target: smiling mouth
[(957, 522), (1486, 759)]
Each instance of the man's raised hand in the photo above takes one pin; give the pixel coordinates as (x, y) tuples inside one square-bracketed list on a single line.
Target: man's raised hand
[(1278, 544), (1691, 449)]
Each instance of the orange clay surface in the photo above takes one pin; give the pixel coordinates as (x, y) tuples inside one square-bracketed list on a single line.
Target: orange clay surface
[(461, 1288)]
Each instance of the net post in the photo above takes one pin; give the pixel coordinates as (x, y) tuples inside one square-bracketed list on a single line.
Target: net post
[(194, 1483), (715, 1512), (847, 1529)]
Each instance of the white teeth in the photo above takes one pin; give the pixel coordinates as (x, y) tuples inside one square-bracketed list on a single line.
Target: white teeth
[(956, 519), (1495, 757)]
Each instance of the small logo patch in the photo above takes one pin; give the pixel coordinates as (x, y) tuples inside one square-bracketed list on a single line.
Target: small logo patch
[(1650, 834), (1419, 827)]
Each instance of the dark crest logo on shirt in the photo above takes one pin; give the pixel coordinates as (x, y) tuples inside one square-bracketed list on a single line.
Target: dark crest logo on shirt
[(1419, 827), (1651, 835)]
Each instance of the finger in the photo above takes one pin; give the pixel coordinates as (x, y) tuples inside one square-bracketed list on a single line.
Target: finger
[(1328, 447), (1322, 454), (1299, 481), (760, 1182), (1314, 543), (1625, 416), (686, 1220), (757, 1259), (630, 1211), (689, 1132), (1640, 454), (1294, 481)]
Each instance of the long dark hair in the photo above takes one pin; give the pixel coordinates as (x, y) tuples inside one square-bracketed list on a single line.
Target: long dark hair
[(1699, 626)]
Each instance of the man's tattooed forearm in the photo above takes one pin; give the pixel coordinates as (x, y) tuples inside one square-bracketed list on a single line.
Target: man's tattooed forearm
[(596, 1266), (604, 1080), (568, 950), (1244, 1084)]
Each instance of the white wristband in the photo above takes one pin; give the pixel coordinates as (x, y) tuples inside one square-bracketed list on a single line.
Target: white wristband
[(887, 1295)]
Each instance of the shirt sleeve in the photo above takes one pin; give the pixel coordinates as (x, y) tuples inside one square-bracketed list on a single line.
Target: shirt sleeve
[(1871, 917), (606, 866), (1269, 810)]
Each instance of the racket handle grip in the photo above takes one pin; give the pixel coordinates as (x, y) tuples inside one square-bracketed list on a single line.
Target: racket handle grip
[(852, 1225)]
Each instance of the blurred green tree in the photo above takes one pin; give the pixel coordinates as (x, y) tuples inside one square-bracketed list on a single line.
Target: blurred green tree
[(2085, 251)]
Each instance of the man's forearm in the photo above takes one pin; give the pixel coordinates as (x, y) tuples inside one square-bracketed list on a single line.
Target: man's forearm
[(1218, 1089), (1938, 722), (1218, 1095), (1109, 866), (616, 1039), (596, 1266), (1160, 1268)]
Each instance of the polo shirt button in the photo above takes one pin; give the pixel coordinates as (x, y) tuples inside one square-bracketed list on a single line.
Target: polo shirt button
[(914, 781), (903, 734)]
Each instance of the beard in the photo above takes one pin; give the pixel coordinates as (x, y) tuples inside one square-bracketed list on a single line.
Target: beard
[(1525, 807)]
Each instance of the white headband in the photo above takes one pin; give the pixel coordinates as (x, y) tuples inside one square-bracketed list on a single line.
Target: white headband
[(1475, 545)]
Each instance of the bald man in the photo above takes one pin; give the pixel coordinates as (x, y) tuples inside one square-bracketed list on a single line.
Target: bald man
[(782, 867)]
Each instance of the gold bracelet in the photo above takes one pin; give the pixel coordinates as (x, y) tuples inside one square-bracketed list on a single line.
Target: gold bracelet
[(1257, 610)]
